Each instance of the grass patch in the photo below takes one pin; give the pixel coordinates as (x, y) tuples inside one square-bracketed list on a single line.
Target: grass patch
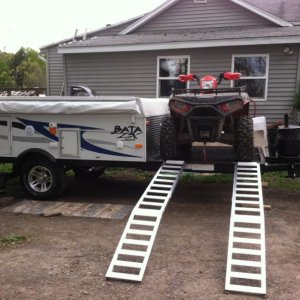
[(6, 168), (127, 173), (206, 178), (279, 180), (13, 239)]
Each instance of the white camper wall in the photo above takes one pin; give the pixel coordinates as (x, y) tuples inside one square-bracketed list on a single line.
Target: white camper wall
[(93, 137)]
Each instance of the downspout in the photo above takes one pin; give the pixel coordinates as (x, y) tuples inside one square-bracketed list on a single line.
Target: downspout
[(64, 88), (47, 72)]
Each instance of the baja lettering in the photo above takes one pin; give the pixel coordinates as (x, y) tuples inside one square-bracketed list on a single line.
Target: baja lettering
[(127, 133)]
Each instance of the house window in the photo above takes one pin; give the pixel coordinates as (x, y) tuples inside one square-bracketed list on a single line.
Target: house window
[(254, 69), (168, 70)]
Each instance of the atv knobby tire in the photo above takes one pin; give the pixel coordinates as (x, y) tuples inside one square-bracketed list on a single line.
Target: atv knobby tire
[(168, 139), (244, 141)]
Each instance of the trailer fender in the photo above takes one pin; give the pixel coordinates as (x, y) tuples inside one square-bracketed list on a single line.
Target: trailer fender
[(34, 153)]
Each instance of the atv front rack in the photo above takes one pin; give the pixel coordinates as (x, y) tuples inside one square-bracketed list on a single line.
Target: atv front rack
[(238, 90)]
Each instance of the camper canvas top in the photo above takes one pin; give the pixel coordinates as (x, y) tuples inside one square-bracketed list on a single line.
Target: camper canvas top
[(145, 107)]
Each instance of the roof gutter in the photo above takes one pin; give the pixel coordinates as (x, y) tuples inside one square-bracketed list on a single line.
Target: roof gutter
[(181, 45)]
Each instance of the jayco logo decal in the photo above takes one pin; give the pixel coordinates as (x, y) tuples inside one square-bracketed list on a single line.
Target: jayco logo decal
[(127, 133)]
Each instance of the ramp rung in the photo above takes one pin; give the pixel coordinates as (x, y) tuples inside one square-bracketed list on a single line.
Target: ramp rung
[(247, 189), (130, 264), (124, 276), (247, 163), (139, 232), (247, 209), (252, 174), (171, 167), (246, 289), (132, 252), (175, 162), (247, 178), (246, 219), (243, 275), (247, 169), (251, 202), (246, 263), (164, 180), (136, 242), (154, 197), (246, 240), (246, 230), (142, 222), (161, 186), (145, 212), (247, 196), (240, 196), (246, 251), (152, 203), (246, 184), (158, 191), (166, 177)]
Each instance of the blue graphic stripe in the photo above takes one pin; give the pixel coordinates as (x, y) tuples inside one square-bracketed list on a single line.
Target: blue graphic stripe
[(42, 128)]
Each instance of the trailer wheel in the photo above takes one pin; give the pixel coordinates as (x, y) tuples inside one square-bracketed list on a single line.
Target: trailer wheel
[(88, 173), (244, 141), (168, 139), (42, 179)]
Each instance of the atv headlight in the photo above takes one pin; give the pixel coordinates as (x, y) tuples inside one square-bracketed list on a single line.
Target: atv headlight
[(207, 84)]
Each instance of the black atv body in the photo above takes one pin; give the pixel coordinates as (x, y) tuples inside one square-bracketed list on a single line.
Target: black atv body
[(202, 115)]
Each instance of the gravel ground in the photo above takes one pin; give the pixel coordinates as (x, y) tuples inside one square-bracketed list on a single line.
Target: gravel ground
[(67, 257)]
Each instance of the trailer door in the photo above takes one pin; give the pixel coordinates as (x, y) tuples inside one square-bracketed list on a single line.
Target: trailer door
[(69, 142), (5, 140)]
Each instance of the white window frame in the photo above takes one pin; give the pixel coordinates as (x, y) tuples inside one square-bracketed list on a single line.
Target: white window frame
[(200, 1), (170, 78), (266, 77)]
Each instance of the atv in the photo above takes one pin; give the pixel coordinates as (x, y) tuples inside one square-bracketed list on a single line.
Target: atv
[(208, 114)]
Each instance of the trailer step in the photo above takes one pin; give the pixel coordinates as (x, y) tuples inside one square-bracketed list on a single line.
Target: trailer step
[(139, 234), (246, 259)]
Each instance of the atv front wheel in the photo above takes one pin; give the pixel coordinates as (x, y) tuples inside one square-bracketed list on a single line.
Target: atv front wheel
[(168, 139), (244, 140)]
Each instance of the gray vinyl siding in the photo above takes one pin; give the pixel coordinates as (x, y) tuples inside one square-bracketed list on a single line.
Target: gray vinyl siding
[(186, 15), (114, 73), (55, 64), (55, 72), (135, 73)]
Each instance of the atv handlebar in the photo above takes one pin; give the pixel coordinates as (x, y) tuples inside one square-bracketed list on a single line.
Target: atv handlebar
[(231, 76), (225, 75), (188, 77)]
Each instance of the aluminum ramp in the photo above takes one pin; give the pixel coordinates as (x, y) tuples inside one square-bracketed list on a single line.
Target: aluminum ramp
[(132, 254), (246, 260)]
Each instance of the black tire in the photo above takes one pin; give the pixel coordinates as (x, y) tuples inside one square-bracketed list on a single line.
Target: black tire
[(244, 140), (42, 179), (88, 173), (168, 139)]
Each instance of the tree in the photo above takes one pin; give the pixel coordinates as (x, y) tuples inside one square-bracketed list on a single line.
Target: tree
[(6, 80), (24, 69)]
